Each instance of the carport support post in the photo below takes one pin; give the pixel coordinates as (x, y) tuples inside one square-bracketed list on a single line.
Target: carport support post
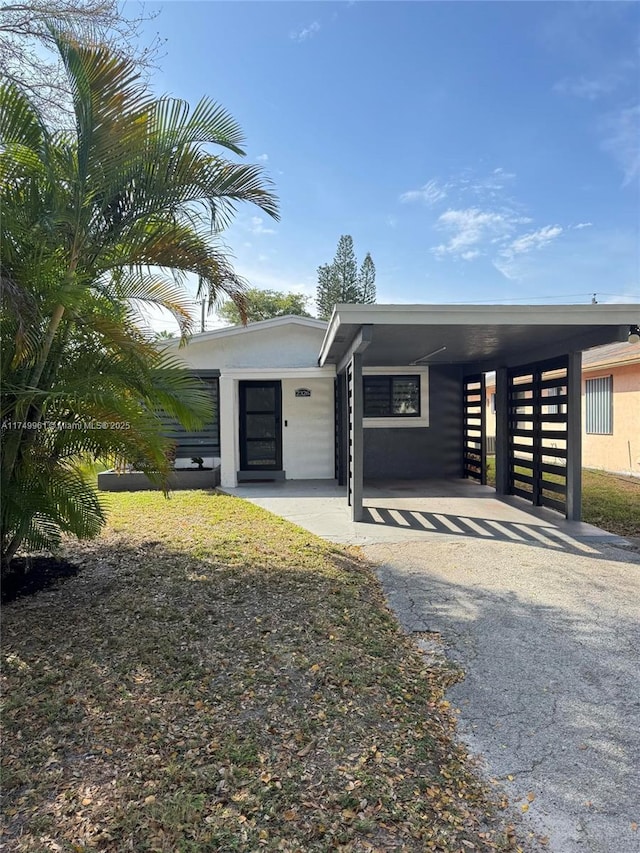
[(502, 431), (574, 437), (356, 466)]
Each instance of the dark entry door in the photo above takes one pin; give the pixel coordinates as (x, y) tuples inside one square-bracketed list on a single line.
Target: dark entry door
[(260, 426)]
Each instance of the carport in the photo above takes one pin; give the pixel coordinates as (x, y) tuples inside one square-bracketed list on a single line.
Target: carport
[(410, 401)]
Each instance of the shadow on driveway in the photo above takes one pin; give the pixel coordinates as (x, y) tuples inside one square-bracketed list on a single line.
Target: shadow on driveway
[(482, 528)]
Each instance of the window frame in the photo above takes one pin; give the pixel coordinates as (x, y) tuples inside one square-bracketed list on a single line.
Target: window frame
[(590, 418), (390, 379), (396, 420)]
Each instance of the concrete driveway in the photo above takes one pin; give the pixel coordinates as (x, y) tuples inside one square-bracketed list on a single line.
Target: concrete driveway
[(543, 616)]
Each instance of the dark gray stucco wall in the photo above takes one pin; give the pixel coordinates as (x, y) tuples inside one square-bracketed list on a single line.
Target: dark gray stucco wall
[(422, 452)]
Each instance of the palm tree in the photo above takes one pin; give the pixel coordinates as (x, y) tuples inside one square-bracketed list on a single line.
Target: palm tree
[(97, 222)]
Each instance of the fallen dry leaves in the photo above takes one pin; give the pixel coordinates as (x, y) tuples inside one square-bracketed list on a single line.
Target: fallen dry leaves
[(216, 679)]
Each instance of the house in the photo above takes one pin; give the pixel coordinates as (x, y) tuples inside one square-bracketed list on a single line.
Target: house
[(398, 391), (610, 408)]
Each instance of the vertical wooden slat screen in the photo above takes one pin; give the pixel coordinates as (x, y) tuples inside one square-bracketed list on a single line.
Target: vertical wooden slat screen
[(349, 381), (474, 460), (340, 428), (202, 442), (537, 450)]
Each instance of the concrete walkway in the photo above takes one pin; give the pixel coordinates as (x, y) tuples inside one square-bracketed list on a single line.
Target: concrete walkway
[(541, 613)]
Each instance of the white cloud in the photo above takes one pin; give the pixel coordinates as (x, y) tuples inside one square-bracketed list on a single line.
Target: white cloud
[(588, 88), (493, 184), (532, 240), (470, 255), (581, 225), (472, 226), (262, 157), (391, 221), (257, 226), (430, 193), (508, 257), (305, 32), (621, 132), (487, 188), (507, 268), (263, 258)]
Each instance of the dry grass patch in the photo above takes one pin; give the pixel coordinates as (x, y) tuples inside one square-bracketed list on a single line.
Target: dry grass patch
[(609, 501), (216, 679)]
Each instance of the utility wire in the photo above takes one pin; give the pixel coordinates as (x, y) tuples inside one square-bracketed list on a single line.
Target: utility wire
[(533, 298)]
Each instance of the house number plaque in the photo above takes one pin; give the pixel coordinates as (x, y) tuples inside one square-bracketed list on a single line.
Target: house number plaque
[(303, 392)]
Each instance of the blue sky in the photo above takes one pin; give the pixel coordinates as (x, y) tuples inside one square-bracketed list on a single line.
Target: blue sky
[(479, 151)]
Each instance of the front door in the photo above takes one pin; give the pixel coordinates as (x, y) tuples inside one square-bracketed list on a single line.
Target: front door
[(260, 426)]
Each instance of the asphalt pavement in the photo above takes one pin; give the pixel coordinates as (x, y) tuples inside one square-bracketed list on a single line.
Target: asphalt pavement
[(550, 645)]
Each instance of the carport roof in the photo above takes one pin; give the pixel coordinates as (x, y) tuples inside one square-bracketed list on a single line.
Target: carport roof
[(482, 337)]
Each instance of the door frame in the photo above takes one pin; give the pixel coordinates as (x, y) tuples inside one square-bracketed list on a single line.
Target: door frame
[(243, 384)]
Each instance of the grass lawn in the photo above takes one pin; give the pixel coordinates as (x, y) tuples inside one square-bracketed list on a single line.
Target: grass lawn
[(216, 679), (610, 501)]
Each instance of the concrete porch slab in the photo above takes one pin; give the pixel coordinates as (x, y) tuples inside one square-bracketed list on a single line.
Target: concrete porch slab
[(417, 510)]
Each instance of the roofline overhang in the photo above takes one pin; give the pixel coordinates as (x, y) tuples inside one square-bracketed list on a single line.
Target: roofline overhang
[(618, 314), (608, 363), (230, 331)]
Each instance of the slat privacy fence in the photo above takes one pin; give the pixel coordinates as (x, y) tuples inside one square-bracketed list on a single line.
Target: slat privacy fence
[(474, 460), (200, 443), (339, 436), (537, 446), (349, 381)]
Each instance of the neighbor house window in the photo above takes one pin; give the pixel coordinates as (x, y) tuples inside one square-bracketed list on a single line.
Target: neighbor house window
[(599, 405), (391, 396), (493, 404)]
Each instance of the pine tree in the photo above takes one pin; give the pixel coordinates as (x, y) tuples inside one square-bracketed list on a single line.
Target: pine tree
[(345, 267), (327, 291), (367, 281), (340, 281)]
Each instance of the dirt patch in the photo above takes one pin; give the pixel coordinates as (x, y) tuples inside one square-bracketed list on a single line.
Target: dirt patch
[(31, 574)]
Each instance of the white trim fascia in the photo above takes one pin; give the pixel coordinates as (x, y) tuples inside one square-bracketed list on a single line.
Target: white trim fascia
[(328, 372), (273, 323), (334, 322), (491, 315)]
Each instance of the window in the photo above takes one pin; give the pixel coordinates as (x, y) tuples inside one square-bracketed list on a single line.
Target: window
[(493, 404), (599, 405), (391, 396)]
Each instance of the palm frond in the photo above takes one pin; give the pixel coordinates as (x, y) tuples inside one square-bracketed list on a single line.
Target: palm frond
[(177, 126), (20, 121)]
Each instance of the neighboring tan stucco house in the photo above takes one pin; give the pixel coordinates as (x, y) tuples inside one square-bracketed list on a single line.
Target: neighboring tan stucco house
[(610, 408)]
